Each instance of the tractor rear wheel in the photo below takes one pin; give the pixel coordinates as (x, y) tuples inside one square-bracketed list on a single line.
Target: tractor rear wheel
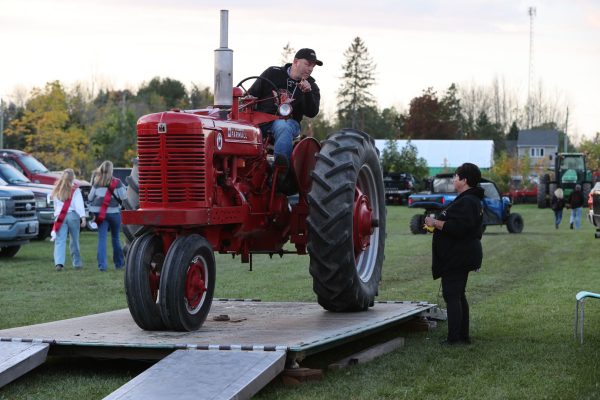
[(346, 223), (515, 223), (132, 203), (187, 284), (142, 276), (416, 224)]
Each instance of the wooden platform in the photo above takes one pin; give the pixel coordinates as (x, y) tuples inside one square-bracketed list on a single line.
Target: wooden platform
[(259, 338)]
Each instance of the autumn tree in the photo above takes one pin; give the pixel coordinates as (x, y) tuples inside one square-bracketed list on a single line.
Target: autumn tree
[(390, 157), (164, 94), (591, 147), (47, 130), (405, 160), (287, 54), (354, 98)]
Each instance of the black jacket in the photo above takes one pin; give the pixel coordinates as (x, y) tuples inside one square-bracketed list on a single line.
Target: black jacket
[(457, 247), (576, 199), (304, 104), (557, 204)]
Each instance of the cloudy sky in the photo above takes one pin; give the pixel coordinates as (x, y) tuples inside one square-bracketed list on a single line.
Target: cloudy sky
[(415, 44)]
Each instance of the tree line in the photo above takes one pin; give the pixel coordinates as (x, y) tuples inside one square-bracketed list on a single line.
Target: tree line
[(79, 128)]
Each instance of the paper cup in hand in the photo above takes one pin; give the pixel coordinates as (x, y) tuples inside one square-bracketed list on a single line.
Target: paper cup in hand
[(93, 225)]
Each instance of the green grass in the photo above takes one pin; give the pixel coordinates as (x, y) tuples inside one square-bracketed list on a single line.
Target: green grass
[(522, 314)]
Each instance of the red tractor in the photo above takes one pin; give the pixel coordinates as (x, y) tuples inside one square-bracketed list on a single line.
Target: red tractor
[(206, 183)]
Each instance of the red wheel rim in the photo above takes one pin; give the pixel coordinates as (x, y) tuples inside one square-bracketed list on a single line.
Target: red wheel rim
[(154, 278), (362, 227), (195, 282)]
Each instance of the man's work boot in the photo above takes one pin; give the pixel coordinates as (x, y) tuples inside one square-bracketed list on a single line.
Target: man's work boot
[(571, 226)]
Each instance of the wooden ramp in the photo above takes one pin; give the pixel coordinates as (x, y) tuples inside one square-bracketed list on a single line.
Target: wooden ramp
[(18, 358), (264, 335)]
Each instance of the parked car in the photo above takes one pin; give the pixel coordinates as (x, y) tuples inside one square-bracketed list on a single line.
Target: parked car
[(594, 208), (496, 208), (122, 174), (18, 220), (43, 203), (37, 172), (398, 186)]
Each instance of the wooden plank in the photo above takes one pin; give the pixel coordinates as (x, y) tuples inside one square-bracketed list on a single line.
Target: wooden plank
[(204, 374), (369, 354), (18, 358)]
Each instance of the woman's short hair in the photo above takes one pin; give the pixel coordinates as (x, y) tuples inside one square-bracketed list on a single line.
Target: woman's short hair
[(470, 172)]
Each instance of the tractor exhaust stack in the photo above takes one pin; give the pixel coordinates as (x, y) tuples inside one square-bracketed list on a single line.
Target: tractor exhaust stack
[(223, 67)]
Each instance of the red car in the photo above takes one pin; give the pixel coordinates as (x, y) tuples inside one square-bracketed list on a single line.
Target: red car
[(37, 172)]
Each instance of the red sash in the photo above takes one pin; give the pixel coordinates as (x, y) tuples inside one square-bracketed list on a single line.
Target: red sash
[(109, 192), (63, 211)]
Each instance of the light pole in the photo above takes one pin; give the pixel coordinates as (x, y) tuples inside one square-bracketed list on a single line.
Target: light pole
[(1, 123)]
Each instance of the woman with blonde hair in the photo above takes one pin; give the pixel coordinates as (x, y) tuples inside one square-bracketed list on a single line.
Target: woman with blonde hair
[(105, 202), (557, 204), (69, 212)]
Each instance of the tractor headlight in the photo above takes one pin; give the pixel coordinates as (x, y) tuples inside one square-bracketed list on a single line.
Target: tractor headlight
[(285, 109)]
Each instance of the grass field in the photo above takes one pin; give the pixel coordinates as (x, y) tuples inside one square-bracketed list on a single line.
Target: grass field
[(522, 313)]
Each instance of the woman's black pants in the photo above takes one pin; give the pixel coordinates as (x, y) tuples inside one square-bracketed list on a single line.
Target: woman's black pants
[(453, 290)]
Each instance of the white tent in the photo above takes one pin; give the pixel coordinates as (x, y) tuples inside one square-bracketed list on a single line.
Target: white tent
[(449, 153)]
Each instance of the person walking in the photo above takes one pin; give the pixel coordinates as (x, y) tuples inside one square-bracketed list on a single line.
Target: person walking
[(456, 248), (69, 212), (558, 204), (575, 203), (105, 202)]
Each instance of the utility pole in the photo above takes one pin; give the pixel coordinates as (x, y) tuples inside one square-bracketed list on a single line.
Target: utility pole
[(532, 12), (566, 140), (1, 124)]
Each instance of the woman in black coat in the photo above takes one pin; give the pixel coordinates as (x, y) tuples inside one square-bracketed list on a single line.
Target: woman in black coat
[(456, 248)]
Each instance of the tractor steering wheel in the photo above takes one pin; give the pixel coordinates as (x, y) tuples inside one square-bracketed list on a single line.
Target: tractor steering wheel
[(241, 83)]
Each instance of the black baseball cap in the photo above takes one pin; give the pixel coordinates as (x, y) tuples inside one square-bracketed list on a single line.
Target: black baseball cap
[(308, 54)]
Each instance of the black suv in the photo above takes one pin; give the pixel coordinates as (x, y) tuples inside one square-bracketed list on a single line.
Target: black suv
[(398, 186)]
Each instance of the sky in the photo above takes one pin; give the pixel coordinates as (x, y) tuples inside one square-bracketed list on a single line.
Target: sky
[(415, 44)]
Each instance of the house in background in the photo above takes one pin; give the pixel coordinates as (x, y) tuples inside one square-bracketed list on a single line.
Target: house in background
[(447, 155), (539, 145)]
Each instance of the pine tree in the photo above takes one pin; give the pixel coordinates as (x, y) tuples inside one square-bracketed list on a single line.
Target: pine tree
[(287, 54), (354, 97)]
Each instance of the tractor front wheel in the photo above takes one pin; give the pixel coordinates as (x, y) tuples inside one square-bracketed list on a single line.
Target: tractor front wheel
[(142, 276), (346, 222), (187, 284)]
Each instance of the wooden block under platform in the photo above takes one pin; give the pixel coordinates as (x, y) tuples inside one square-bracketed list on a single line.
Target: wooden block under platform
[(369, 354), (295, 376)]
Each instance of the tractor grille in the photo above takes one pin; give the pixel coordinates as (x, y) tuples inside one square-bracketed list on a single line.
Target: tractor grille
[(172, 167)]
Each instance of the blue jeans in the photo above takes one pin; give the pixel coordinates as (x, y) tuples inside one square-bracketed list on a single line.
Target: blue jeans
[(70, 226), (576, 217), (284, 132), (112, 220), (558, 216)]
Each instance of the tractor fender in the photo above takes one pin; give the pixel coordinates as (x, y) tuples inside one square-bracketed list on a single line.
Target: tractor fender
[(303, 162)]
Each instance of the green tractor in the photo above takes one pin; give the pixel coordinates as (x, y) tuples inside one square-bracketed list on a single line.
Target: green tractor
[(569, 170)]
